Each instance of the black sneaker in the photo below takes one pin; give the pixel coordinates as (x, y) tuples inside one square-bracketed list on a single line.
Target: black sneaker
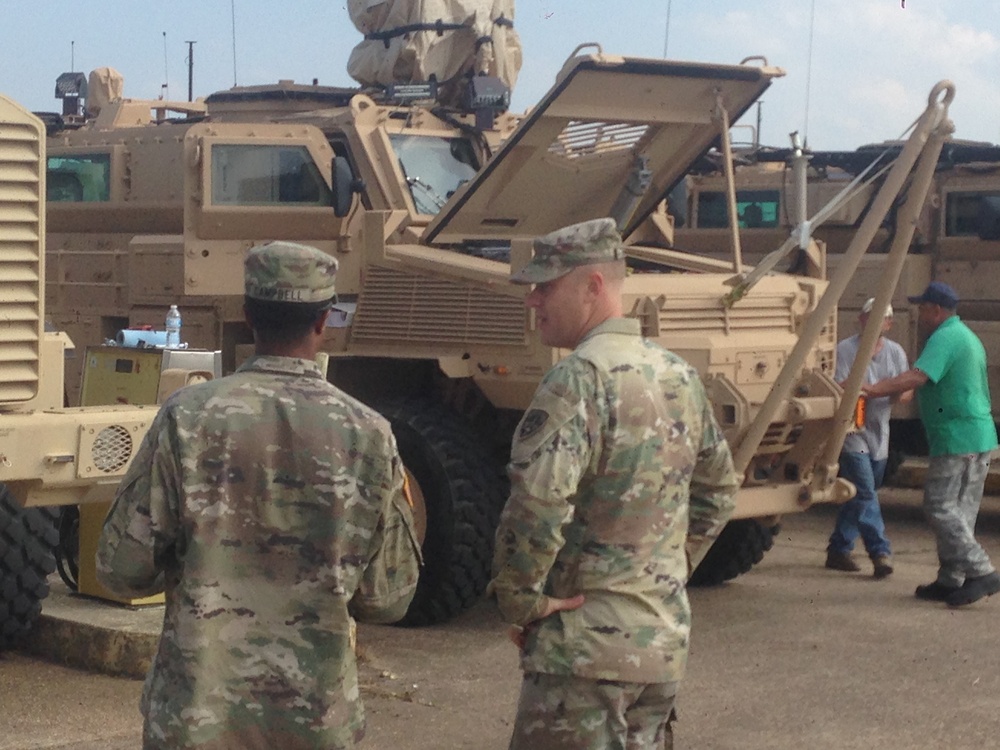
[(935, 592), (975, 589)]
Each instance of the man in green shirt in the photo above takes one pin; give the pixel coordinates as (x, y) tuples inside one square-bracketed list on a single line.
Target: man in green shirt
[(954, 399)]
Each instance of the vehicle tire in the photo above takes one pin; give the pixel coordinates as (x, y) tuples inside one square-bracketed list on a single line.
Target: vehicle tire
[(28, 537), (740, 546), (464, 492)]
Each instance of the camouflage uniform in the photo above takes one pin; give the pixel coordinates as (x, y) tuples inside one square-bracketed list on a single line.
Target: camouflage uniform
[(620, 476), (270, 508)]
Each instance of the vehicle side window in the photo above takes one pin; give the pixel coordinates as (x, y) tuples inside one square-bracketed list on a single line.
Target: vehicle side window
[(266, 175), (756, 209), (84, 178), (964, 211)]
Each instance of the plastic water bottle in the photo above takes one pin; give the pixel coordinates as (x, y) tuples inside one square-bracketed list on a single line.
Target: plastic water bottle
[(173, 324)]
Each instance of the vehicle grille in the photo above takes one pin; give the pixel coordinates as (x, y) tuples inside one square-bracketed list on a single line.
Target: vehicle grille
[(586, 138), (397, 306), (681, 316), (21, 231), (112, 449)]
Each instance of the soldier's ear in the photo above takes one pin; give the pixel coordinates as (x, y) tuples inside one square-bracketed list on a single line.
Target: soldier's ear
[(595, 282), (320, 323)]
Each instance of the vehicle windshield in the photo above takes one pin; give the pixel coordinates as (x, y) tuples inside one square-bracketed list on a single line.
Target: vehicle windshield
[(434, 167)]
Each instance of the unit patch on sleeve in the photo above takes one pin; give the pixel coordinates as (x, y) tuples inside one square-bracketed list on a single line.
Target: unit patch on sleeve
[(531, 423)]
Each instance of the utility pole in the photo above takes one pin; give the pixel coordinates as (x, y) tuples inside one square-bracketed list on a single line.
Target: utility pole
[(190, 62)]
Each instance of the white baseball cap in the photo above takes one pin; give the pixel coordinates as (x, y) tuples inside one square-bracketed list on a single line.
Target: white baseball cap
[(867, 308)]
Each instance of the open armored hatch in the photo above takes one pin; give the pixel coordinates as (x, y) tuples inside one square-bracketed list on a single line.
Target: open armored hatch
[(611, 138)]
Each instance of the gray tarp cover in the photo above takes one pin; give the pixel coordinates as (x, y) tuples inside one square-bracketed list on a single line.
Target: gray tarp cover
[(416, 55)]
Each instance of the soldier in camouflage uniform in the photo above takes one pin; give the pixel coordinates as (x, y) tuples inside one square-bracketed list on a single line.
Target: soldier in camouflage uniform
[(270, 508), (620, 479)]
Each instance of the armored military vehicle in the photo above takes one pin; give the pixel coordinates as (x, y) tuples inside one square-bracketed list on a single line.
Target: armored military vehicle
[(957, 237), (49, 455), (429, 193)]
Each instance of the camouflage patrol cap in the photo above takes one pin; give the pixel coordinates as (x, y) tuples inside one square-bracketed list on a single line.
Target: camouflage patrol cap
[(288, 272), (559, 252)]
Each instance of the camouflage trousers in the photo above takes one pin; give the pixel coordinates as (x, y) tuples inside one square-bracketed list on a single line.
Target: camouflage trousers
[(557, 712), (953, 491)]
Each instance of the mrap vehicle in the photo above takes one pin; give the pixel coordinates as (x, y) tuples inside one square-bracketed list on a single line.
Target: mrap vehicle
[(428, 205), (957, 237)]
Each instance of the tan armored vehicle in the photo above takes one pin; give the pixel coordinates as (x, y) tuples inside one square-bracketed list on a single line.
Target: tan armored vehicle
[(957, 238), (49, 455), (428, 206)]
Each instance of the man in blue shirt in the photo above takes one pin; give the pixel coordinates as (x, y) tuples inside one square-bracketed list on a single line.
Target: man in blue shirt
[(866, 452), (954, 398)]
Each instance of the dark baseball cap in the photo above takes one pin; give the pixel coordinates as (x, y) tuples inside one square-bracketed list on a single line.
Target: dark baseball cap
[(937, 293)]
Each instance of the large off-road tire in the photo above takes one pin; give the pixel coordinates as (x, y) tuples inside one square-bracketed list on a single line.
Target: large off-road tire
[(740, 546), (28, 537), (464, 492)]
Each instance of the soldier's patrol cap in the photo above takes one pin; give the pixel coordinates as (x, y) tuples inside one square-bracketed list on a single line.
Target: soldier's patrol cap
[(289, 272), (559, 252)]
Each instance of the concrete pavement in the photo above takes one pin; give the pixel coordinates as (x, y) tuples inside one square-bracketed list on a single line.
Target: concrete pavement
[(117, 640), (789, 656)]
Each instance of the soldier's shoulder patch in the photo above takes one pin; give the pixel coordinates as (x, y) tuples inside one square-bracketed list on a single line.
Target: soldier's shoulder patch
[(532, 422)]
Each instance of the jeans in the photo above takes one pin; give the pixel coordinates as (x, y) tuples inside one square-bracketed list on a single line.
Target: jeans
[(861, 514), (953, 491)]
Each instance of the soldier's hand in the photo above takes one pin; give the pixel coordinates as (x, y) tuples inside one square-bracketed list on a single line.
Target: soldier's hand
[(519, 635), (553, 605)]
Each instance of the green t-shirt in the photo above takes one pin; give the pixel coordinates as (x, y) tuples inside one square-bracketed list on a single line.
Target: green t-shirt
[(955, 400)]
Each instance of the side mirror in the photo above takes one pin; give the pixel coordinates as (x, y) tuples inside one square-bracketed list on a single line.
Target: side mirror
[(345, 185)]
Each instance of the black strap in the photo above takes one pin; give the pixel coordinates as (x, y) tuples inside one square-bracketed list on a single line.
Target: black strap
[(438, 26)]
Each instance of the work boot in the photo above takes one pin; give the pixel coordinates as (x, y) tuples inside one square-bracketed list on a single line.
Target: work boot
[(883, 566), (935, 592), (841, 561), (975, 589)]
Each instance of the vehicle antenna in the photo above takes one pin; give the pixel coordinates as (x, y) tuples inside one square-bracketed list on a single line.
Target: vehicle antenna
[(666, 32), (809, 62), (756, 134), (190, 64), (232, 6), (165, 88)]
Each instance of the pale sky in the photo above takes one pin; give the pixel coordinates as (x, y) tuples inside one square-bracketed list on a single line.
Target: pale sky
[(873, 62)]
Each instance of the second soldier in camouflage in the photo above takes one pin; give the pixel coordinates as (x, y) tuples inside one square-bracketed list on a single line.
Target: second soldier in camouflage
[(620, 478)]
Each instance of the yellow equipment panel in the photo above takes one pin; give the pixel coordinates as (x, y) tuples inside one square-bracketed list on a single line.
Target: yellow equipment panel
[(123, 375), (116, 375)]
